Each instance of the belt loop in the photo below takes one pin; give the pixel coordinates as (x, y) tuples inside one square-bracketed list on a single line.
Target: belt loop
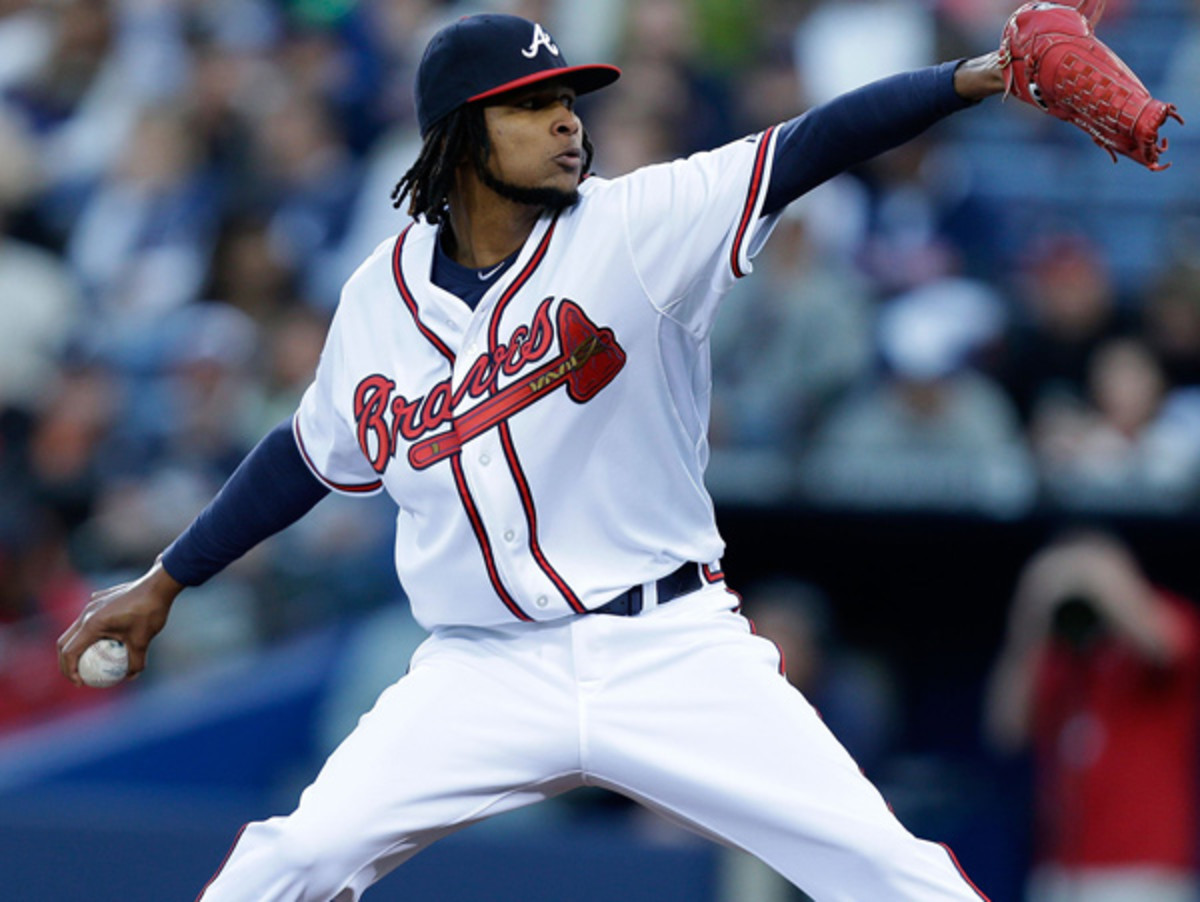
[(649, 595)]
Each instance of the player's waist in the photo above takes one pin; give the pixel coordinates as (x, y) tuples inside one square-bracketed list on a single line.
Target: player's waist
[(686, 579)]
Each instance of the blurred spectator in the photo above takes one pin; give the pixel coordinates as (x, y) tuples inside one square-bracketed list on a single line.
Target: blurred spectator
[(787, 344), (66, 464), (1069, 308), (1171, 323), (183, 432), (82, 89), (768, 90), (933, 432), (853, 690), (1131, 443), (143, 239), (629, 136), (41, 303), (1100, 673), (26, 39), (841, 46), (328, 55), (288, 359), (911, 193), (210, 386), (248, 272), (40, 595), (976, 21), (662, 57), (229, 89), (310, 179)]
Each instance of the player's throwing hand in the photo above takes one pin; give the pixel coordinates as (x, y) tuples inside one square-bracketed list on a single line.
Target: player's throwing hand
[(132, 613)]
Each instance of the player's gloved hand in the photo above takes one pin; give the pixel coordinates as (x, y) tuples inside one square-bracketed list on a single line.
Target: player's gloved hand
[(1053, 60), (133, 613)]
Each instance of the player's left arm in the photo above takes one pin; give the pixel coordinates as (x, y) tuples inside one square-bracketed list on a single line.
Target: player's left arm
[(871, 120)]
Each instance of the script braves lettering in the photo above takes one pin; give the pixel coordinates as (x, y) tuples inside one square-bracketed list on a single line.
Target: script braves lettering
[(589, 356)]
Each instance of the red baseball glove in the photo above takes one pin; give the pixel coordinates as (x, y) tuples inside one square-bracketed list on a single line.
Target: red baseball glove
[(1053, 60)]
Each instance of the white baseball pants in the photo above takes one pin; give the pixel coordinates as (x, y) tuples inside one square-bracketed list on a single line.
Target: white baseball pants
[(681, 708)]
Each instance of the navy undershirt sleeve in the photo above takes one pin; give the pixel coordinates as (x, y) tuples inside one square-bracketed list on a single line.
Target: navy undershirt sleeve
[(271, 489), (850, 129)]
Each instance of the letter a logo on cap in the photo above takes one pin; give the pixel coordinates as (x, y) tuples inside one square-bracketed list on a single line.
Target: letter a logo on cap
[(540, 39)]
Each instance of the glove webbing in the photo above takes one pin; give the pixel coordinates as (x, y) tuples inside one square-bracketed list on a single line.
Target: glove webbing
[(1098, 101)]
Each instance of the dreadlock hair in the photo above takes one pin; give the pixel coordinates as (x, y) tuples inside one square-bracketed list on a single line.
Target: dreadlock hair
[(461, 136)]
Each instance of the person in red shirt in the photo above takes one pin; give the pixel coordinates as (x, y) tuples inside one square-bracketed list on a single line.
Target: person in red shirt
[(1100, 675)]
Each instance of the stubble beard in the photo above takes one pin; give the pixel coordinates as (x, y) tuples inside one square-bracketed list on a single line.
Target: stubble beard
[(551, 199)]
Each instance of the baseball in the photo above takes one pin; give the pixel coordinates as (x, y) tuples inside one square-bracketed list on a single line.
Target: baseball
[(104, 663)]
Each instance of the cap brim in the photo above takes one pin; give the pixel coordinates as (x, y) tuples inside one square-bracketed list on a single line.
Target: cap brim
[(583, 79)]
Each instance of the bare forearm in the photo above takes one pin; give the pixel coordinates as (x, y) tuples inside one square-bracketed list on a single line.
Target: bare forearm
[(979, 77)]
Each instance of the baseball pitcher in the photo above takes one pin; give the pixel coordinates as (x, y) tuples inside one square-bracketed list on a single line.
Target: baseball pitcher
[(524, 370)]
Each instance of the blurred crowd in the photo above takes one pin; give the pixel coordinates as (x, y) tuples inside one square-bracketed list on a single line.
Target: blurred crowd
[(993, 319)]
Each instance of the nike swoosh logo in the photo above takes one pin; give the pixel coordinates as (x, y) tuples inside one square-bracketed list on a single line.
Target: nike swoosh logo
[(484, 276)]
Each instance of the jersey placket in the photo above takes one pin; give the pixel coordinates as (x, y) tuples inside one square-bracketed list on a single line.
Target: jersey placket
[(492, 471)]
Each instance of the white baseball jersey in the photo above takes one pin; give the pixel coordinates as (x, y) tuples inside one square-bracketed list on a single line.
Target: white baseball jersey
[(547, 449)]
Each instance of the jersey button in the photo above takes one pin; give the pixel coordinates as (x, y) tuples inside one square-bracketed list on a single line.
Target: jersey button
[(542, 601), (485, 459), (509, 535)]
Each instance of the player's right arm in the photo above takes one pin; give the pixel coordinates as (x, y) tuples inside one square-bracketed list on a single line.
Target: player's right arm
[(271, 489)]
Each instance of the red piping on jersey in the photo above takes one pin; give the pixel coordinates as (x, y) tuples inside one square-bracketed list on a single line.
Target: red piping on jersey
[(460, 481), (778, 648), (481, 536), (410, 302), (510, 451), (756, 184), (352, 489), (711, 576), (510, 454), (518, 283), (963, 873)]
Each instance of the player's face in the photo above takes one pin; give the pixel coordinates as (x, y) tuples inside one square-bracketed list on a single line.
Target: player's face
[(537, 145)]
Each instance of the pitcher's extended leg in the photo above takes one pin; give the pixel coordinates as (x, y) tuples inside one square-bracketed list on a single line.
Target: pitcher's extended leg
[(720, 741), (447, 745)]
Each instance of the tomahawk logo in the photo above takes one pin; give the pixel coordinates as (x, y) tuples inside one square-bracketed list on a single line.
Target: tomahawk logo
[(589, 358), (540, 39)]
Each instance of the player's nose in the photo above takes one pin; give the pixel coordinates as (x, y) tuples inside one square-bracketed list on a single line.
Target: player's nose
[(566, 122)]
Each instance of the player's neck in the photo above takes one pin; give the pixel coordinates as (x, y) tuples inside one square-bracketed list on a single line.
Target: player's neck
[(486, 228)]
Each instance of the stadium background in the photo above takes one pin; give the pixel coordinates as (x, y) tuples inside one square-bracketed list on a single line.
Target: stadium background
[(183, 187)]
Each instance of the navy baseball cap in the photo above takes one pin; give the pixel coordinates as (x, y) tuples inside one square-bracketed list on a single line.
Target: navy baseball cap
[(481, 56)]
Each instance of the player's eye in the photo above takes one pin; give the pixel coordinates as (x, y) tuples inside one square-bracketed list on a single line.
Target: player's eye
[(541, 101)]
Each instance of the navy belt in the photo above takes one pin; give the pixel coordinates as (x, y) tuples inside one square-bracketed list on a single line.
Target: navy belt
[(632, 601)]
